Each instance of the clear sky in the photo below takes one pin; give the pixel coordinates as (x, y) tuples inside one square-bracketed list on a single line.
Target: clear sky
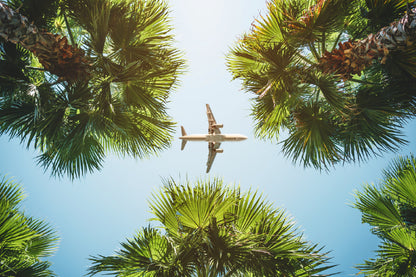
[(94, 214)]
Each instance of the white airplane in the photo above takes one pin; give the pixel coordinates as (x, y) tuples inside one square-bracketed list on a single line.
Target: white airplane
[(214, 138)]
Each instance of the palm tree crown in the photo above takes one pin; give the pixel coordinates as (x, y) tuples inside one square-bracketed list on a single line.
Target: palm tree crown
[(24, 240), (284, 61), (390, 209), (112, 99), (213, 230)]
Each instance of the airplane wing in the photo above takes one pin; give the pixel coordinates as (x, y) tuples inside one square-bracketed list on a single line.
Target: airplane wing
[(212, 122), (212, 153)]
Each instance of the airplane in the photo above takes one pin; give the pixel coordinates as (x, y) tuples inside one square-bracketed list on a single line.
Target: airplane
[(214, 138)]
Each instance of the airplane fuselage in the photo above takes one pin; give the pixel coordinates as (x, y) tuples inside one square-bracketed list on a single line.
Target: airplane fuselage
[(214, 137)]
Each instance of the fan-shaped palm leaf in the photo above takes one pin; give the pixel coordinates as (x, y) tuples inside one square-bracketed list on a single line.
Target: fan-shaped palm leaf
[(119, 107), (329, 120), (214, 230), (23, 240), (390, 209)]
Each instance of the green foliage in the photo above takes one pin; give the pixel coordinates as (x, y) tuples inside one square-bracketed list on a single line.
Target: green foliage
[(329, 120), (24, 241), (389, 208), (210, 229), (372, 15), (40, 12), (119, 107)]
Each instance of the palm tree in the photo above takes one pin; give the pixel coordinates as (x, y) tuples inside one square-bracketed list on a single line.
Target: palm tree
[(25, 241), (389, 208), (53, 51), (105, 91), (330, 119), (214, 230), (353, 56)]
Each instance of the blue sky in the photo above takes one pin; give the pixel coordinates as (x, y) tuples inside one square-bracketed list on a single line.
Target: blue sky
[(94, 214)]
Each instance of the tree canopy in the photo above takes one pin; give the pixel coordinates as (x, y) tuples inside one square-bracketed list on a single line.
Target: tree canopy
[(99, 83), (210, 229), (25, 241), (390, 209), (291, 62)]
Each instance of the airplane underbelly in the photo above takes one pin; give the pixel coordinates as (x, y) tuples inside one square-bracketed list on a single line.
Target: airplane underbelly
[(215, 138)]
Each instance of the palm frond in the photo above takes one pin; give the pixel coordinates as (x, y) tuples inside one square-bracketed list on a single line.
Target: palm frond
[(74, 158), (319, 19), (373, 127), (377, 209), (312, 140), (214, 230), (147, 252), (119, 106), (24, 240), (284, 60), (381, 13), (389, 209), (10, 192), (269, 118)]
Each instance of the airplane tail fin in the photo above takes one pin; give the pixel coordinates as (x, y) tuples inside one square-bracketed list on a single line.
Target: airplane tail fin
[(183, 140), (183, 131)]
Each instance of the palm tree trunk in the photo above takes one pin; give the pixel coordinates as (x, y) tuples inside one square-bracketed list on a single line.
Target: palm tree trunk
[(52, 50), (352, 57)]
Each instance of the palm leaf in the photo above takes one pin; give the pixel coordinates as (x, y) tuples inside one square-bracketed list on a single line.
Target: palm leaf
[(282, 60), (377, 209), (119, 107), (23, 240), (389, 209), (213, 230), (311, 142)]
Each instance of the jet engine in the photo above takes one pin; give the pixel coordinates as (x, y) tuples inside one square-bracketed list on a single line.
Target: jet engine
[(218, 125), (219, 150)]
